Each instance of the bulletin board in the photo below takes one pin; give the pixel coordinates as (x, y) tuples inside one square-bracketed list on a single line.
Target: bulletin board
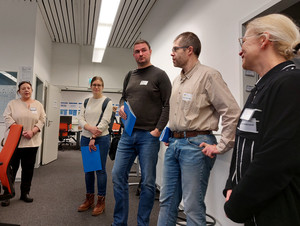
[(7, 93), (8, 89)]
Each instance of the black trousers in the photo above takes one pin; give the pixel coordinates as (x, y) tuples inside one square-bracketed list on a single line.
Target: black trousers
[(27, 158)]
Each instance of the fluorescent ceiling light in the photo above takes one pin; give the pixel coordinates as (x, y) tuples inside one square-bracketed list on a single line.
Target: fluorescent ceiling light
[(102, 36), (108, 11), (107, 16), (98, 55)]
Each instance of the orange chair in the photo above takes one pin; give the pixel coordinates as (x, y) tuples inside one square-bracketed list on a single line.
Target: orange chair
[(7, 152), (64, 135)]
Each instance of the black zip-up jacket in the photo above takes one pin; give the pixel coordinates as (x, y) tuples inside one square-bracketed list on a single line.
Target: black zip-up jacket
[(265, 166)]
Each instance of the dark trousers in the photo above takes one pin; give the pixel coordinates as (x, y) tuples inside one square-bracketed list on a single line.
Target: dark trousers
[(27, 158)]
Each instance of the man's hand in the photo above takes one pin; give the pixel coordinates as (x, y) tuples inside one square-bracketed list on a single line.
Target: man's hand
[(209, 150), (155, 132), (122, 113)]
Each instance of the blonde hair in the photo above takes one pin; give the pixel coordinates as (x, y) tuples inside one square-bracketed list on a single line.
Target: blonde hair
[(284, 33)]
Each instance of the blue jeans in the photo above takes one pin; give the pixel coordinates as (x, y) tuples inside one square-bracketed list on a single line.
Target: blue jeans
[(185, 175), (146, 147), (103, 143)]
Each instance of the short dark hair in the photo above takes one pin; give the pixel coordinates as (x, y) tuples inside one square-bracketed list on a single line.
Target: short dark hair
[(140, 41), (97, 78), (190, 39), (24, 82)]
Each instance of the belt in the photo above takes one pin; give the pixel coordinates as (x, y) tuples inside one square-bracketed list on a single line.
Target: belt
[(185, 134)]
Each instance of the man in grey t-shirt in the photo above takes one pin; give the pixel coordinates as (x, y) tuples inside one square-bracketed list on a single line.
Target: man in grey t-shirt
[(147, 89)]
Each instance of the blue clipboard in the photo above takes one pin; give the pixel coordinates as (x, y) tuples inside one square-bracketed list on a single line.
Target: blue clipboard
[(165, 135), (91, 160), (131, 118)]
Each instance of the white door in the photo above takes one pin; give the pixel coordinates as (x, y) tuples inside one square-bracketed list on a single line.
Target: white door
[(50, 142)]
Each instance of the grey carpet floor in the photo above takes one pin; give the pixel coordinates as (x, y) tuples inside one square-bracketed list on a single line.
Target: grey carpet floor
[(58, 189)]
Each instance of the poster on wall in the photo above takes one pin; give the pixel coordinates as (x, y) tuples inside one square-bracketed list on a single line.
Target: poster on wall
[(116, 108), (64, 108), (25, 74), (70, 108)]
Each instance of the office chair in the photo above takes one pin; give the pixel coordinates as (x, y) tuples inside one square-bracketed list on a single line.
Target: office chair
[(64, 136), (7, 152)]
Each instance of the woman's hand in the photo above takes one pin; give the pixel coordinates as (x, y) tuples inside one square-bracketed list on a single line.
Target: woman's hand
[(28, 134), (92, 145), (228, 195), (94, 130)]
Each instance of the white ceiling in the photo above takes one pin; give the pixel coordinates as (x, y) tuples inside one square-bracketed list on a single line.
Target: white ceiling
[(75, 21)]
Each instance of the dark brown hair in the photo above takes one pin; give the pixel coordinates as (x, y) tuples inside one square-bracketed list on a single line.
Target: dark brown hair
[(140, 41), (23, 82), (97, 78), (190, 39)]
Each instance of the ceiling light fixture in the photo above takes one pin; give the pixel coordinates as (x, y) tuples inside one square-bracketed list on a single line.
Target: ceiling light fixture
[(108, 11)]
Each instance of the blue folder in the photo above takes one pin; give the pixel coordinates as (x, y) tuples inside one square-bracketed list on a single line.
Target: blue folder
[(165, 135), (91, 160), (131, 118)]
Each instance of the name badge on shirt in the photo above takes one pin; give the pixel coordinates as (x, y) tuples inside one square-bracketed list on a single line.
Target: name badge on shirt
[(187, 96), (33, 110), (144, 83), (248, 126), (248, 113)]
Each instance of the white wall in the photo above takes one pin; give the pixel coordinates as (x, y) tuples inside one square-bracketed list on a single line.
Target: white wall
[(17, 34), (17, 28), (72, 66), (218, 25), (42, 50)]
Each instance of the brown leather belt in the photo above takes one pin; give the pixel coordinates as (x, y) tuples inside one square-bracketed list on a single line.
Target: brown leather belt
[(185, 134)]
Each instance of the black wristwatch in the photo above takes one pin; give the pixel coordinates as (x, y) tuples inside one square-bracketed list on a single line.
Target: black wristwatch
[(92, 138)]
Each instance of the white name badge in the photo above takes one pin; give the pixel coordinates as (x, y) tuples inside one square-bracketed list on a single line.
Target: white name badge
[(144, 83), (33, 110), (248, 126), (248, 113), (187, 96)]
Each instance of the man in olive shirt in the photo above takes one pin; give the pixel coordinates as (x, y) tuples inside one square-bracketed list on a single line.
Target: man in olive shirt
[(147, 89), (199, 98)]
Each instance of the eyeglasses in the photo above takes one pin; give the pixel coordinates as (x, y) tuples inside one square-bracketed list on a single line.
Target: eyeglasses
[(242, 40), (175, 48), (96, 85)]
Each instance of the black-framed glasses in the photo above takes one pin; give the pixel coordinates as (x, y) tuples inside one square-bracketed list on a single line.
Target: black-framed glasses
[(175, 48)]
